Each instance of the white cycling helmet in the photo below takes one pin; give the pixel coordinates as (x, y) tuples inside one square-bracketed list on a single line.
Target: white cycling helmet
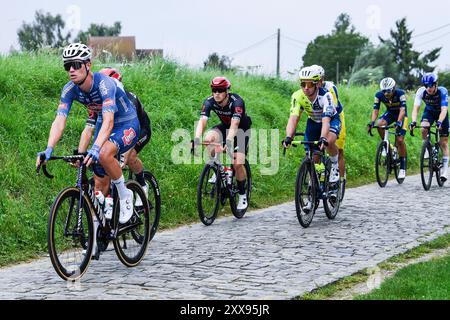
[(310, 73), (77, 51), (387, 84), (319, 69)]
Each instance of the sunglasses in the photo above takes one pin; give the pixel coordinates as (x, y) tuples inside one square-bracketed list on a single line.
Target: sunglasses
[(389, 91), (308, 85), (219, 90), (76, 65), (429, 86)]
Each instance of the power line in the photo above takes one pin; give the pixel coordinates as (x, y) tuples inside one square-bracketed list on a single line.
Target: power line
[(440, 37), (321, 45), (431, 31), (253, 45)]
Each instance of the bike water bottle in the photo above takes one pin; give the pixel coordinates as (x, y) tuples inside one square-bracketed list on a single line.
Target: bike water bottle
[(229, 172), (109, 207)]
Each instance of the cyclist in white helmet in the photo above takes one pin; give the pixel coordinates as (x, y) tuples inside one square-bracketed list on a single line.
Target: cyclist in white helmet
[(331, 87), (395, 101), (117, 129), (323, 124)]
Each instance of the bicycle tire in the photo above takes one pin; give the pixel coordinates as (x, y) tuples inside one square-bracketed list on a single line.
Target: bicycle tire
[(438, 166), (305, 218), (85, 241), (331, 207), (239, 214), (396, 166), (381, 163), (154, 202), (129, 250), (343, 189), (426, 163), (207, 218)]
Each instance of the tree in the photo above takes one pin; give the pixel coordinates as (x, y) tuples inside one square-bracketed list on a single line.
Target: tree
[(215, 62), (379, 58), (46, 31), (342, 46), (410, 65), (96, 30)]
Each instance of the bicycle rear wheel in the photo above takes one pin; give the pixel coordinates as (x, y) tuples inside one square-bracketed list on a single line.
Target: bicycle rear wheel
[(305, 194), (70, 237), (438, 165), (132, 238), (239, 214), (154, 202), (382, 164), (426, 166), (208, 194), (332, 192)]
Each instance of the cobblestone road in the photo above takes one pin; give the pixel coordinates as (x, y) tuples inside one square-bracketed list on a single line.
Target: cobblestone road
[(266, 255)]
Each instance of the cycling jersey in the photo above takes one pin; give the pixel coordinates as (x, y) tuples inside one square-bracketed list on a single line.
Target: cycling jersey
[(432, 102), (394, 104), (234, 110), (330, 86), (321, 107), (105, 96)]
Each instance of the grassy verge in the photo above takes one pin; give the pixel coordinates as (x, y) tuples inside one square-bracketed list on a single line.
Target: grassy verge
[(30, 87), (407, 278)]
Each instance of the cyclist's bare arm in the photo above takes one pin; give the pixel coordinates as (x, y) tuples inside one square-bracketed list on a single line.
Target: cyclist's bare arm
[(375, 114), (106, 129), (234, 127), (444, 111), (325, 127), (415, 113), (401, 114), (56, 131), (85, 139), (292, 125), (201, 127)]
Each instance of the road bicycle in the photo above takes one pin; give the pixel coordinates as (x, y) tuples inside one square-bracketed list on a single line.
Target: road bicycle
[(387, 158), (312, 185), (433, 163), (79, 232), (213, 192)]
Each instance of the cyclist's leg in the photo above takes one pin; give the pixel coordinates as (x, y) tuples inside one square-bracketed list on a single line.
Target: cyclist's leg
[(241, 141), (341, 146), (426, 122), (312, 133), (386, 119), (332, 149), (216, 135), (444, 145), (401, 144)]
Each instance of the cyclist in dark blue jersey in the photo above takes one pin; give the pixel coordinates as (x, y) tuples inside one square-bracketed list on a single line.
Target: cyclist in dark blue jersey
[(117, 128), (397, 112), (233, 131), (436, 110)]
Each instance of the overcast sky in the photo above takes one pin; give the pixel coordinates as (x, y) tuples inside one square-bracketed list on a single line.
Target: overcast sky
[(190, 30)]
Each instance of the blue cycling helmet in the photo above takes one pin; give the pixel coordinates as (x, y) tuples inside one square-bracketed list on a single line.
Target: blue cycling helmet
[(429, 79)]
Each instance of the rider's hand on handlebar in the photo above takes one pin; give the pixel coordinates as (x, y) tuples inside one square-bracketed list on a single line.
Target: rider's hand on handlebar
[(439, 125), (44, 155), (287, 142), (412, 126), (370, 126), (93, 155), (322, 142)]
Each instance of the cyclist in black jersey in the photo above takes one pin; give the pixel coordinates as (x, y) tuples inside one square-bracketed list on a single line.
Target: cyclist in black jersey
[(135, 164), (233, 131)]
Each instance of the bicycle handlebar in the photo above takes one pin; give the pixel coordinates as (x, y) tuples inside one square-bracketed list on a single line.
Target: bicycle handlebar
[(43, 166)]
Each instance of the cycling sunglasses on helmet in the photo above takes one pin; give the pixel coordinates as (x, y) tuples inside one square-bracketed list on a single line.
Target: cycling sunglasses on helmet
[(307, 84), (219, 90), (76, 65)]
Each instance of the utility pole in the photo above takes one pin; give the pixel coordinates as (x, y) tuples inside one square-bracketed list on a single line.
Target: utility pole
[(337, 73), (278, 53)]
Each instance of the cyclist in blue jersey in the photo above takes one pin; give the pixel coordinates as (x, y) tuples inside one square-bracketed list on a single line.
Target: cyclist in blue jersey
[(436, 110), (340, 142), (397, 112), (117, 128), (135, 164)]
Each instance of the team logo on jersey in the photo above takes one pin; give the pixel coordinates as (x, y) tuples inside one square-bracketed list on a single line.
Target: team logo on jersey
[(102, 88), (108, 103), (63, 106), (239, 110), (128, 136)]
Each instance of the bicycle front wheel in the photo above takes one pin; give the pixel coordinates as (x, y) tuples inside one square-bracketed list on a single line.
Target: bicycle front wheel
[(70, 234), (208, 194), (305, 194), (426, 166), (396, 164), (382, 164), (131, 240)]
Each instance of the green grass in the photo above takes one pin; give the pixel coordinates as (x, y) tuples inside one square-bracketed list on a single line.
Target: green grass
[(328, 291), (423, 281), (30, 86)]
